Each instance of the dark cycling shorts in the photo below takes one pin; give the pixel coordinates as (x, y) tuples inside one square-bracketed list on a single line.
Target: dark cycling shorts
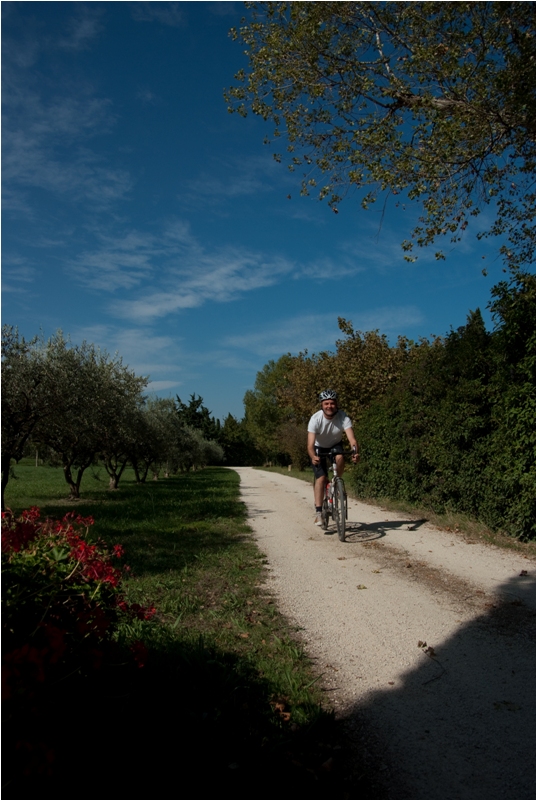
[(321, 470)]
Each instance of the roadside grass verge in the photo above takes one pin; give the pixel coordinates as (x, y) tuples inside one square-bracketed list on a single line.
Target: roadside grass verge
[(227, 696), (461, 524)]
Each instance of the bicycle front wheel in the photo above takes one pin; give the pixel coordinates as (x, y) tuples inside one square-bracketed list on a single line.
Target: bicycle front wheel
[(325, 515), (340, 509)]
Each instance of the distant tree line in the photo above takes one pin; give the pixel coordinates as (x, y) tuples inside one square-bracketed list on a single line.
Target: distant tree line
[(77, 405), (449, 422)]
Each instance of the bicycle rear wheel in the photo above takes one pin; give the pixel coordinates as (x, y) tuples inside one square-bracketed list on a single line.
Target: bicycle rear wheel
[(339, 509)]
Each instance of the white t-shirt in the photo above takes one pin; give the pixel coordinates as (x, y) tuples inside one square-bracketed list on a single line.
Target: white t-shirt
[(328, 432)]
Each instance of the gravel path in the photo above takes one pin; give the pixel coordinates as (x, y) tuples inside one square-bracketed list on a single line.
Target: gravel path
[(426, 641)]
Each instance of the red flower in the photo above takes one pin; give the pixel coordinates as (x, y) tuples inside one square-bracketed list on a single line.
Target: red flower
[(18, 537), (31, 515)]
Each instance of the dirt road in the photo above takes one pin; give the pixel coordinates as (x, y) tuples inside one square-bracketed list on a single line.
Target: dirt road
[(426, 641)]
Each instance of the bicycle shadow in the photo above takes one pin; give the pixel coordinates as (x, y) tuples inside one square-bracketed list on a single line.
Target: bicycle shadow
[(355, 532), (369, 531)]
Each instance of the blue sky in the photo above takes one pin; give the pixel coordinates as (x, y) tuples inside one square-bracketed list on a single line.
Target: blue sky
[(140, 215)]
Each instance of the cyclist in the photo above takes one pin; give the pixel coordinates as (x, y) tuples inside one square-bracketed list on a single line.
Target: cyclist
[(324, 431)]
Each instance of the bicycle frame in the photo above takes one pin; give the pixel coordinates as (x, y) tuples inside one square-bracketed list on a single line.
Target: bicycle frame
[(334, 503)]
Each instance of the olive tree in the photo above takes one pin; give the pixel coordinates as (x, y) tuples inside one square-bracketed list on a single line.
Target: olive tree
[(436, 101), (123, 392), (29, 395), (96, 393)]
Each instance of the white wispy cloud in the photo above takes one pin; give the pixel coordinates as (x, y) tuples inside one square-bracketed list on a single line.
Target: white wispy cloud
[(145, 352), (167, 361), (225, 9), (33, 159), (245, 176), (387, 319), (180, 271), (317, 332), (221, 276), (81, 29), (331, 269), (47, 136), (120, 263), (167, 13), (164, 272), (291, 335), (161, 386), (17, 274), (148, 97)]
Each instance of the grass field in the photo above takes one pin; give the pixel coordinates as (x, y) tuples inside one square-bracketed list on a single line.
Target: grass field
[(227, 690)]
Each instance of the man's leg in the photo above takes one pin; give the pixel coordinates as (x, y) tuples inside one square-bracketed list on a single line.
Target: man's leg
[(319, 491), (340, 465)]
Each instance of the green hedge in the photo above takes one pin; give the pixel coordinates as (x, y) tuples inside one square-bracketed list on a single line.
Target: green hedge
[(458, 429)]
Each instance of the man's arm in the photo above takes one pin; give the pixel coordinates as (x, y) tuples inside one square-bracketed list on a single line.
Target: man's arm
[(353, 444), (311, 447)]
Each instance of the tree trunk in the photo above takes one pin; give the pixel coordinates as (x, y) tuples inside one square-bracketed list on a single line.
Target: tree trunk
[(81, 471), (74, 485), (136, 472), (6, 466), (114, 473)]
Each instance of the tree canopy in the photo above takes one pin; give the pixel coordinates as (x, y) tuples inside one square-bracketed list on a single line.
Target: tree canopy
[(79, 405), (197, 416), (264, 412), (99, 394), (436, 101)]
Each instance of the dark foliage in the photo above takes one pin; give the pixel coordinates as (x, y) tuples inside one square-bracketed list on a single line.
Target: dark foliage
[(457, 431)]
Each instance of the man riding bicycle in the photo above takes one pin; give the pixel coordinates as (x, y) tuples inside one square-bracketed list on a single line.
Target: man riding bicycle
[(324, 432)]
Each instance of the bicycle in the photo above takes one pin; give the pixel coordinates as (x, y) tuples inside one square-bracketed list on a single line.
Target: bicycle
[(335, 502)]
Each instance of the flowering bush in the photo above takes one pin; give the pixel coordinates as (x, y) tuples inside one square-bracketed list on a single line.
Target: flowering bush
[(62, 606), (62, 599)]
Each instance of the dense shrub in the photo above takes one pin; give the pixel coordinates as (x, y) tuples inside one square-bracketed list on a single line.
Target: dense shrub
[(457, 430)]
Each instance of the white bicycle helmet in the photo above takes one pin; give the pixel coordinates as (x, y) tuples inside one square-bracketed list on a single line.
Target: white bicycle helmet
[(327, 394)]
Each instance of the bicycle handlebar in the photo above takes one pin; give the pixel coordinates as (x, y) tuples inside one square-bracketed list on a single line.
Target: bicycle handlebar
[(333, 451)]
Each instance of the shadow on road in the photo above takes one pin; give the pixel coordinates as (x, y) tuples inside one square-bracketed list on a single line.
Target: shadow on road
[(359, 532), (462, 725)]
